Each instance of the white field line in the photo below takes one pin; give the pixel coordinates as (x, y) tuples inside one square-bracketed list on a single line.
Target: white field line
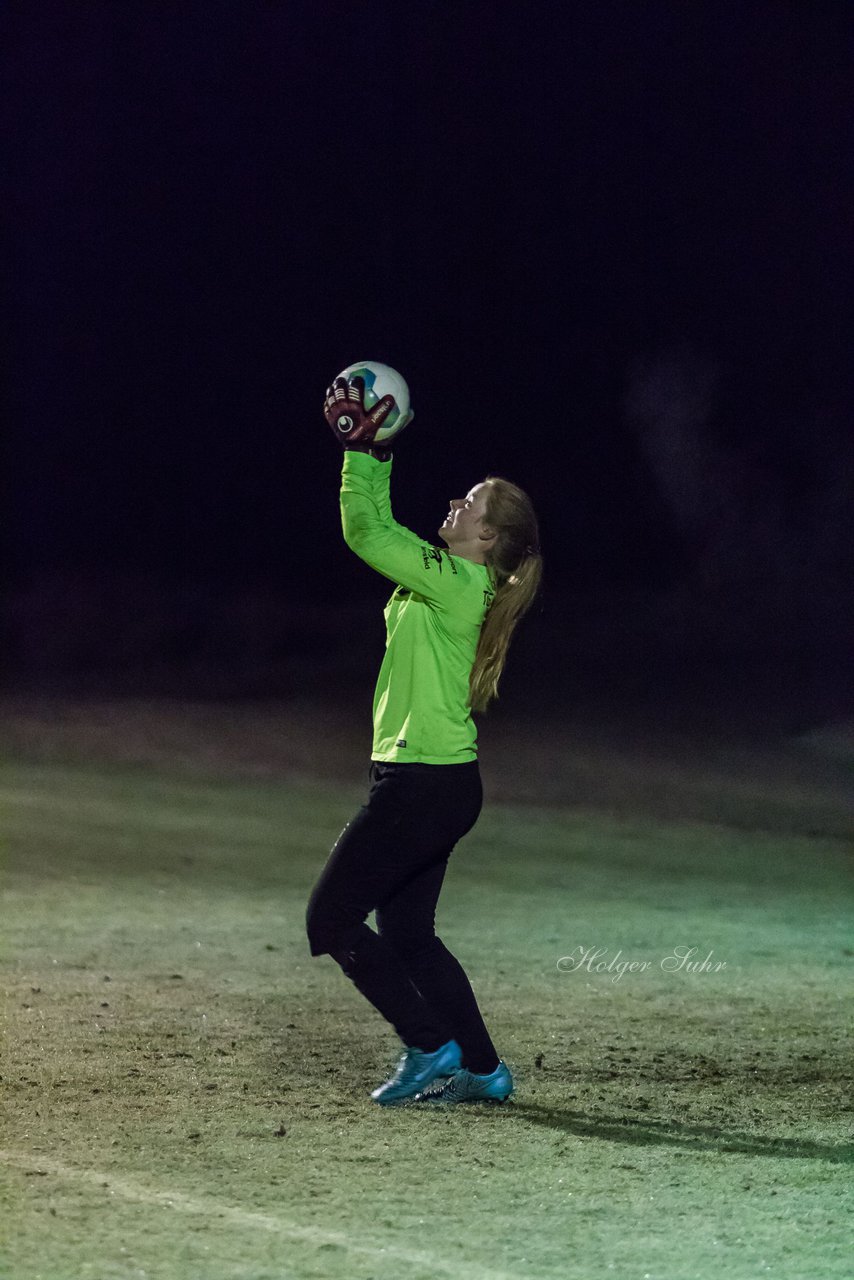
[(206, 1206)]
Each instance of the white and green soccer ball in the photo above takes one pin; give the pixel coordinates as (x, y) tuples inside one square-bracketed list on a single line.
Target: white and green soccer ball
[(381, 380)]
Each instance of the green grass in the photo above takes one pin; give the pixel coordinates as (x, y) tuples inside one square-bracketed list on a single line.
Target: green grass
[(186, 1090)]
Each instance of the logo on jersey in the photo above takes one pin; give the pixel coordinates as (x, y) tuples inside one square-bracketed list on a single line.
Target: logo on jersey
[(434, 555), (431, 554)]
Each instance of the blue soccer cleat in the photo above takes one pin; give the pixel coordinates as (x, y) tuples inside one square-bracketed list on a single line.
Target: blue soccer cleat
[(416, 1070), (466, 1086)]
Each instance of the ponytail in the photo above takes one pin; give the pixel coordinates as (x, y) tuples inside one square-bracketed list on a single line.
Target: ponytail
[(516, 566)]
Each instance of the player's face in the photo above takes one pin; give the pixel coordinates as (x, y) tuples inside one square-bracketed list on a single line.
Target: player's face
[(464, 521)]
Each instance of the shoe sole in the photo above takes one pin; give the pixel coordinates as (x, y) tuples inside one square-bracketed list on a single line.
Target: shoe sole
[(444, 1074), (459, 1102), (401, 1102)]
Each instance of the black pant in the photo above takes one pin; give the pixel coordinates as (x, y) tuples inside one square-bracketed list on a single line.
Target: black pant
[(392, 858)]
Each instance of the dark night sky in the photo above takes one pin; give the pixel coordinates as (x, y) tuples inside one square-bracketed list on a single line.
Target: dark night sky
[(213, 207)]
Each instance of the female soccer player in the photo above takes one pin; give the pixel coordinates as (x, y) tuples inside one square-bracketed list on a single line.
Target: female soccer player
[(449, 624)]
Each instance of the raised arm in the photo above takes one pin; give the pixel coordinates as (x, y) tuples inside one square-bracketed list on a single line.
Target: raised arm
[(394, 551)]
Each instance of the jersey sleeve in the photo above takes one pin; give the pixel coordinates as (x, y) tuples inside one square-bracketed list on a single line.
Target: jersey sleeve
[(394, 551), (382, 495)]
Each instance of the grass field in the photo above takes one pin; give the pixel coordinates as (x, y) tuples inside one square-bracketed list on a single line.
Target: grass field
[(185, 1090)]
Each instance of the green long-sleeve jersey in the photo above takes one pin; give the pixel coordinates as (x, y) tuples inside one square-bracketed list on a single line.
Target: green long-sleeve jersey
[(433, 621)]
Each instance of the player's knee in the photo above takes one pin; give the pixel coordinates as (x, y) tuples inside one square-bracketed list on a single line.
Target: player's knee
[(329, 928), (319, 929)]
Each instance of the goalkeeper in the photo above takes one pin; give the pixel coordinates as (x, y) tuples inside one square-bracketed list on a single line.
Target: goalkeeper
[(449, 624)]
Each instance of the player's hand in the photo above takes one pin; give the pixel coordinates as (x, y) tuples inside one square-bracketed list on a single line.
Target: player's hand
[(353, 426)]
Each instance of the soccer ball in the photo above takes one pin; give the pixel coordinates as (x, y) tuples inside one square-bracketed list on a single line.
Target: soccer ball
[(381, 380)]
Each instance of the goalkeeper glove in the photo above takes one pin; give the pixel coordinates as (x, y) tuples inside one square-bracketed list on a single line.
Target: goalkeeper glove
[(353, 426)]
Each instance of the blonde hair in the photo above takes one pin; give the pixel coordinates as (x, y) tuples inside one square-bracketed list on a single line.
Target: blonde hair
[(516, 567)]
